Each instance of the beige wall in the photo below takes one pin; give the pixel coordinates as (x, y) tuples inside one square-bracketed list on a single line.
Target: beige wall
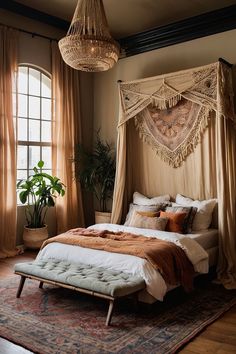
[(177, 57), (36, 50)]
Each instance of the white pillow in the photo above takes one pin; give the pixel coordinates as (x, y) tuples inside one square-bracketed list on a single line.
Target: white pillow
[(140, 199), (203, 217)]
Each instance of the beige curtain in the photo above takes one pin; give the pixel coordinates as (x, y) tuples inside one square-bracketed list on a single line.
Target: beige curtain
[(66, 134), (8, 68), (208, 172), (226, 184)]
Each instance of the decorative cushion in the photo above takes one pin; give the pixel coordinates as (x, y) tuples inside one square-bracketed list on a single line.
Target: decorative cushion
[(151, 214), (190, 214), (175, 221), (133, 208), (146, 222), (203, 217), (141, 199)]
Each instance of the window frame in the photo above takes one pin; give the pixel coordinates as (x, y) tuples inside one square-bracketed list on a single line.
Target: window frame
[(28, 143)]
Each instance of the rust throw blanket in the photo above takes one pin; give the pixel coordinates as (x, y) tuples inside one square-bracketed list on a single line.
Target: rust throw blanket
[(169, 259)]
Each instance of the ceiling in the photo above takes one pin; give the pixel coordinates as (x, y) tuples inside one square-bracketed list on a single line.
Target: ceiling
[(126, 17)]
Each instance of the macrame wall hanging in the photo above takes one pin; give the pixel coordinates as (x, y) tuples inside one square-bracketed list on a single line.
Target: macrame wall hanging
[(172, 111)]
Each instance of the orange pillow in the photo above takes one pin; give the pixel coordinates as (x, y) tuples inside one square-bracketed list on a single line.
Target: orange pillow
[(150, 214), (175, 221)]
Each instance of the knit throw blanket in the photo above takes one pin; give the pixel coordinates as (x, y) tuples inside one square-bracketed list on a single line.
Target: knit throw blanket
[(166, 257)]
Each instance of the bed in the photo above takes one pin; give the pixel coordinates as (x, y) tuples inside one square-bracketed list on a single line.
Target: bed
[(200, 248)]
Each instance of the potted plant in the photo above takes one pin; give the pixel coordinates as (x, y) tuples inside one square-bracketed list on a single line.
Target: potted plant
[(96, 173), (38, 191)]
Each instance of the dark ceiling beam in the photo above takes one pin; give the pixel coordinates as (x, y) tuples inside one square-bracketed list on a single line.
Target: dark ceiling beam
[(34, 14), (185, 30)]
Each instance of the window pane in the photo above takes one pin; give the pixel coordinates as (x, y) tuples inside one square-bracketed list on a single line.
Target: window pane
[(34, 130), (46, 157), (18, 199), (22, 157), (21, 174), (34, 156), (22, 80), (34, 82), (46, 109), (22, 106), (48, 171), (22, 129), (46, 131), (14, 122), (14, 104), (46, 86), (34, 107)]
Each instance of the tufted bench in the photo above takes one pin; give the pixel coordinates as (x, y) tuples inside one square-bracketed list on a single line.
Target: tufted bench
[(84, 278)]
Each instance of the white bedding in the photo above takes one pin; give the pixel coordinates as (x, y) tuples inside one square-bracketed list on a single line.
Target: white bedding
[(156, 285), (206, 238)]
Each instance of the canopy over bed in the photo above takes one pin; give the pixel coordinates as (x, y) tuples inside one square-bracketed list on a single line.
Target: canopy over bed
[(187, 120)]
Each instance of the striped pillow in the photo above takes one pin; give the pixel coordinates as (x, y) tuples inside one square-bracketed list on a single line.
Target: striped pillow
[(143, 208), (147, 222)]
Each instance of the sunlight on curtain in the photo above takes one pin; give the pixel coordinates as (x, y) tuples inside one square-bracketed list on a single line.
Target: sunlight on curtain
[(8, 68), (66, 134)]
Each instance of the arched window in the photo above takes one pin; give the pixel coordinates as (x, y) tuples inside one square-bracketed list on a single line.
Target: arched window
[(33, 119)]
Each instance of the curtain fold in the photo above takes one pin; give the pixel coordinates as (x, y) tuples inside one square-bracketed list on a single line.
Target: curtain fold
[(66, 133), (226, 184), (8, 70), (208, 172)]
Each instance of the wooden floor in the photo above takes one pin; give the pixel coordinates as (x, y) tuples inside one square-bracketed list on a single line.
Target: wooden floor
[(218, 338)]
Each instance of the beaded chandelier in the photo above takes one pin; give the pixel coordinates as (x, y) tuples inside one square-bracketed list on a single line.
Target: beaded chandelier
[(88, 45)]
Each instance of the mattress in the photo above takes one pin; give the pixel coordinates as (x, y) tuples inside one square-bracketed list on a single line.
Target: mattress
[(206, 238)]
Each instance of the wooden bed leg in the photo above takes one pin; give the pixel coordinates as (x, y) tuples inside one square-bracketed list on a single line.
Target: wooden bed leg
[(22, 282), (110, 311), (41, 285)]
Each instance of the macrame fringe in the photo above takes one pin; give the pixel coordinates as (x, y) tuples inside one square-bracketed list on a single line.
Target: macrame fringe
[(176, 158), (165, 103)]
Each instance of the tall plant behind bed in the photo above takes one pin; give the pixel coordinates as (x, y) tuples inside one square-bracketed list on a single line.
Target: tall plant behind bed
[(96, 171)]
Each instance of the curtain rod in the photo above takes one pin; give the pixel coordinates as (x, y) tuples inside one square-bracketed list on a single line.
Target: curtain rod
[(33, 34)]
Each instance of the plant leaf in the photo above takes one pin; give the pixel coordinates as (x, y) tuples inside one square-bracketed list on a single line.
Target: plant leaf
[(40, 164)]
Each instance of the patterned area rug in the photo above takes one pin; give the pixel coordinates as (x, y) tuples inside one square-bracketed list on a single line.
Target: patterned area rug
[(58, 321)]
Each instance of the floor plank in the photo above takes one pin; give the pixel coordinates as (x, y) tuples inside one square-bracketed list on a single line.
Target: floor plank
[(218, 338)]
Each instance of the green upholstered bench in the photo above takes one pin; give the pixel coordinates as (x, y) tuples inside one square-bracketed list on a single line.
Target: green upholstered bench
[(84, 278)]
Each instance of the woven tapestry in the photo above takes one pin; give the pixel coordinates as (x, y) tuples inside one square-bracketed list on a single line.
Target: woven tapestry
[(172, 111)]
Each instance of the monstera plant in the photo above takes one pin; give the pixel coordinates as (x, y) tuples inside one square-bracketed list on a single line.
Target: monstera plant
[(38, 193)]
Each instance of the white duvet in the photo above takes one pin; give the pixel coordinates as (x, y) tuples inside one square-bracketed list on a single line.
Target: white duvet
[(155, 284)]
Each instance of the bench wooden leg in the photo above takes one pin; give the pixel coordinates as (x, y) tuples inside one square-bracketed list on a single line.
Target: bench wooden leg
[(41, 285), (110, 311), (22, 282)]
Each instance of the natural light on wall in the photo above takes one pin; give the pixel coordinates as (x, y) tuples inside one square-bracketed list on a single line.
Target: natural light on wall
[(33, 117)]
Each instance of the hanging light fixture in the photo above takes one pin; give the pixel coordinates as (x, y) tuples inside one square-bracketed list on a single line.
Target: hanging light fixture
[(88, 45)]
